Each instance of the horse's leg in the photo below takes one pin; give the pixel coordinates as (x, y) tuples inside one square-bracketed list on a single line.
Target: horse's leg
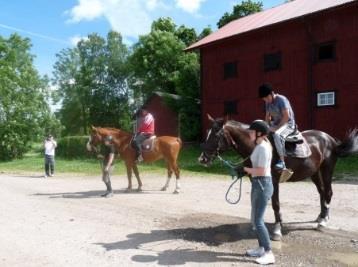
[(277, 234), (136, 173), (317, 180), (170, 172), (177, 178), (129, 175), (326, 172)]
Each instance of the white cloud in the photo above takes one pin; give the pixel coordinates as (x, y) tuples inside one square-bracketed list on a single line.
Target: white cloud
[(129, 17), (191, 6), (75, 39), (86, 10), (152, 4)]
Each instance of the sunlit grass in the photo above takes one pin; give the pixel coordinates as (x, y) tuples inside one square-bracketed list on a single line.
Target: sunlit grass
[(188, 162)]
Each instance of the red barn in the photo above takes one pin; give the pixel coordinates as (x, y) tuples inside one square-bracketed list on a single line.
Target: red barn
[(166, 120), (308, 51)]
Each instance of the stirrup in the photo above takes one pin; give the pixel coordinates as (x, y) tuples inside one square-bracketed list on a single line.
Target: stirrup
[(285, 175), (139, 158), (280, 165)]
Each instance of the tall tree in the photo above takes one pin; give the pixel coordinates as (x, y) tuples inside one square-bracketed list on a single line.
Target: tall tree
[(24, 113), (92, 86), (240, 10), (205, 32), (159, 63)]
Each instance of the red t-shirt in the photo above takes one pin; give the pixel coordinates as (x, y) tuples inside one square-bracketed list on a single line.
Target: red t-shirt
[(146, 124)]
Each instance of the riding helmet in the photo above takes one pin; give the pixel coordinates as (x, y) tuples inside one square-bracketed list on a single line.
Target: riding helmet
[(265, 89), (260, 126)]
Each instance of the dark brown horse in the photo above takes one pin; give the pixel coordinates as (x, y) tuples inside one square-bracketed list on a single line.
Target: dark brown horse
[(164, 147), (224, 135)]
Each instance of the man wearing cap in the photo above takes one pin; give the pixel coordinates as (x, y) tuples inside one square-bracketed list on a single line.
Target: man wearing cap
[(280, 117)]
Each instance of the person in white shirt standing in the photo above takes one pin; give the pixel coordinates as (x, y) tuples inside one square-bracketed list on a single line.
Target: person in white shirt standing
[(49, 145)]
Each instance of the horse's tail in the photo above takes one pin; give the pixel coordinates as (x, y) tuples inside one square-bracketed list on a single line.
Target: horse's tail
[(180, 142), (349, 145)]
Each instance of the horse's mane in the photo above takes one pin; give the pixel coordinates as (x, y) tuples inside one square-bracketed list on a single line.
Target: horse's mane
[(114, 131), (237, 124)]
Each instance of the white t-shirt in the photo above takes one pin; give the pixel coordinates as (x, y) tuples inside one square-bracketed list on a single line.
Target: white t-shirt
[(50, 147), (261, 157)]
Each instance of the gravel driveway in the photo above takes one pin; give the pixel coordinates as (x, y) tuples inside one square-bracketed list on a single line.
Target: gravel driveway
[(62, 221)]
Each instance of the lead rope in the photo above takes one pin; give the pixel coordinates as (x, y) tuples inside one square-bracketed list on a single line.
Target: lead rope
[(233, 172)]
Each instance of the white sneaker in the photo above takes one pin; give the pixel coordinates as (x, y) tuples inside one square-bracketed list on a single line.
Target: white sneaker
[(256, 252), (267, 258)]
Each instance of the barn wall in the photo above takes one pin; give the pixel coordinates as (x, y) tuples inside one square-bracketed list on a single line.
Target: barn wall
[(299, 78), (166, 120)]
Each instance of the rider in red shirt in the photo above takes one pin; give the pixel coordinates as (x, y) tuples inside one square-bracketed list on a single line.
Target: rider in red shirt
[(145, 129)]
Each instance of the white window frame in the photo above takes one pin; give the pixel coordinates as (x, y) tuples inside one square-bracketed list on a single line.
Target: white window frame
[(325, 99)]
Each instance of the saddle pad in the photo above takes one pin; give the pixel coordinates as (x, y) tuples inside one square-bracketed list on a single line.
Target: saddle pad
[(147, 144), (301, 150)]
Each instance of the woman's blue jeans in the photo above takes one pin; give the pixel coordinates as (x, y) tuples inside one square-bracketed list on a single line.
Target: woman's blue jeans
[(261, 192)]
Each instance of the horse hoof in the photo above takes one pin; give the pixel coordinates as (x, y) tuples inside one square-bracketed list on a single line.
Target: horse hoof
[(139, 190), (322, 223), (164, 188), (128, 190), (276, 237), (176, 191)]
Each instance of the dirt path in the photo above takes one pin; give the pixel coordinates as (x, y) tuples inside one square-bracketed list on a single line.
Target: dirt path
[(61, 221)]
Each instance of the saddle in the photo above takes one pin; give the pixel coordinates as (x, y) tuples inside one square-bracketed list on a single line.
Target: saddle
[(296, 145), (147, 144)]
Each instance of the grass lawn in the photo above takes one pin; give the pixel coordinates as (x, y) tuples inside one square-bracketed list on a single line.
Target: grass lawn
[(33, 162)]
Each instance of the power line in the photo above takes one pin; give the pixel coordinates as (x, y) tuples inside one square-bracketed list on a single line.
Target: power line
[(49, 38)]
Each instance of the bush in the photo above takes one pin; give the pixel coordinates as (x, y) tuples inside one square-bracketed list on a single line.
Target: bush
[(72, 147)]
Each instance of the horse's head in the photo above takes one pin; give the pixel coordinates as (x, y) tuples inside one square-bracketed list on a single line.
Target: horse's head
[(215, 143), (94, 139)]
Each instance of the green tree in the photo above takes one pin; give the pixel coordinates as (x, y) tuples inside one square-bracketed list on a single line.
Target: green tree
[(241, 10), (24, 113), (205, 32), (159, 63), (91, 81)]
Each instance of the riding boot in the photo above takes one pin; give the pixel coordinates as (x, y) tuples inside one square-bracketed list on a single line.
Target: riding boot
[(109, 192)]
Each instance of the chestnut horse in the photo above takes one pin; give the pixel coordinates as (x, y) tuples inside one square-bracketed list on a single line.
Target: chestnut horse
[(164, 147), (319, 165)]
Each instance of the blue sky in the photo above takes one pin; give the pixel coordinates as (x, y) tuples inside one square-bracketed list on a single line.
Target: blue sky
[(54, 25)]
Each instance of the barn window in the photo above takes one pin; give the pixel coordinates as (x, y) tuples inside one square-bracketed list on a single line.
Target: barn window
[(272, 61), (230, 70), (230, 107), (326, 51), (325, 99)]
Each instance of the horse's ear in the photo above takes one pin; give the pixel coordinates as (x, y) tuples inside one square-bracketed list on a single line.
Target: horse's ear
[(209, 117), (94, 129)]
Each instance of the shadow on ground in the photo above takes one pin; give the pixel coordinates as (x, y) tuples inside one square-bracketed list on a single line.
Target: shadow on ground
[(97, 193)]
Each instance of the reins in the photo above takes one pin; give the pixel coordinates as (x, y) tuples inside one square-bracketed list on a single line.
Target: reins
[(233, 172)]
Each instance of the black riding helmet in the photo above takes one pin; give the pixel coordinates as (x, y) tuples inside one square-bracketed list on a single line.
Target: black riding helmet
[(260, 126), (265, 89)]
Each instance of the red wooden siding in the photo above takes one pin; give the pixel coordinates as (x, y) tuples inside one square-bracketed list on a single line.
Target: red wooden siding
[(166, 120), (299, 78)]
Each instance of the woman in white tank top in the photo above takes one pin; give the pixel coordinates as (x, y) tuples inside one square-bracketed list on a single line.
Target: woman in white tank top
[(262, 189)]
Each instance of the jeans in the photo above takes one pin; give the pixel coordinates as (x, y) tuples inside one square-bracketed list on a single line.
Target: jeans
[(49, 164), (138, 140), (261, 192), (279, 137), (106, 175)]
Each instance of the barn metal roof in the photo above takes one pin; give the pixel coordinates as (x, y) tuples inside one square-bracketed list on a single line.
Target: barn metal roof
[(278, 14)]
